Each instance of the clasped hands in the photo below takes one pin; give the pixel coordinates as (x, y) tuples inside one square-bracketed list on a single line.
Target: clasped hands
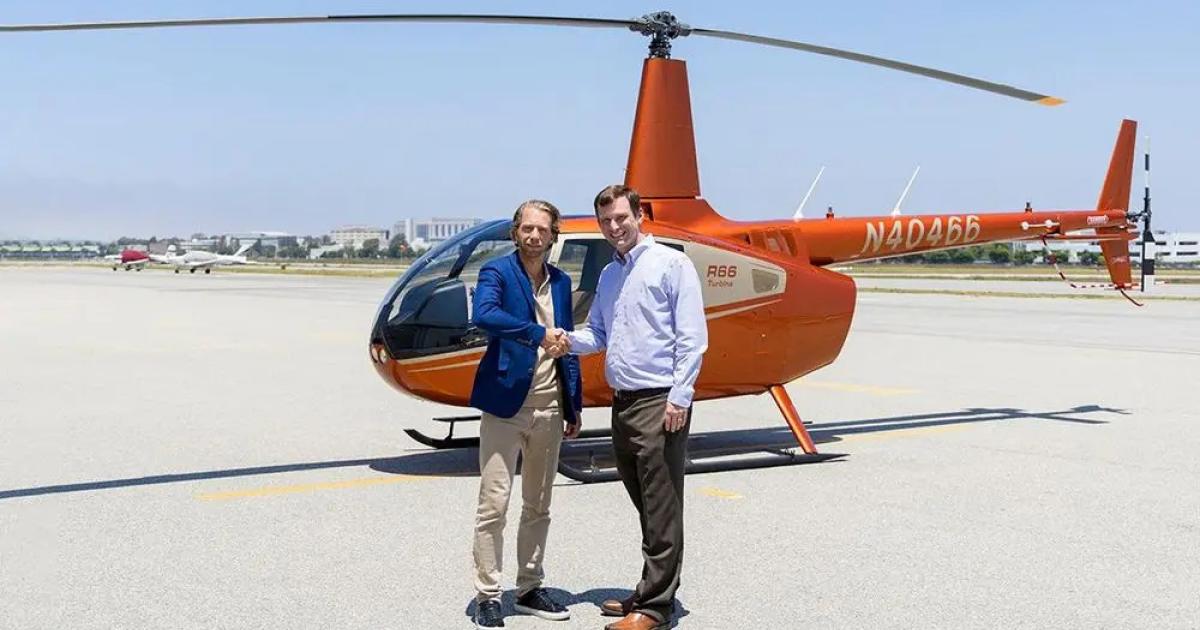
[(556, 343)]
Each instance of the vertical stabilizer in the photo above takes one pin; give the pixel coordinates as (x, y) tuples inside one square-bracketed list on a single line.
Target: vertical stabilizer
[(1115, 196)]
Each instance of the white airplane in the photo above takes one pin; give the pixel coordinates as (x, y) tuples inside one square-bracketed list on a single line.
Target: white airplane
[(196, 259)]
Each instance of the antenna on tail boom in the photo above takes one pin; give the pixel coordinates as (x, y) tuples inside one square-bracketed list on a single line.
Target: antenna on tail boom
[(800, 209), (896, 208)]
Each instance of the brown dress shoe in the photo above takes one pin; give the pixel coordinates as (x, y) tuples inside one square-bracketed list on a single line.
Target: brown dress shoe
[(616, 607), (638, 621)]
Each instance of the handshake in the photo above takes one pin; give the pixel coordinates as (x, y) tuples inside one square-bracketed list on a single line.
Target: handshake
[(556, 342)]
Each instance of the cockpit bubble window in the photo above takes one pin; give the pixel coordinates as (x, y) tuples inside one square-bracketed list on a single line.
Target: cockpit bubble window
[(427, 311)]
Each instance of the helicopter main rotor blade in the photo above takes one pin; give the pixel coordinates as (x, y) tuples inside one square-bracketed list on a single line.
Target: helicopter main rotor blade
[(662, 26), (309, 19), (979, 84)]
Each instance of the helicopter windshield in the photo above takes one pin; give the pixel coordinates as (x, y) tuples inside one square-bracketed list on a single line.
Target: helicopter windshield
[(428, 310)]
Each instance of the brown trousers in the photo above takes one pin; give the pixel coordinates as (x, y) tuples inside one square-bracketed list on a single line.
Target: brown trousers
[(651, 463)]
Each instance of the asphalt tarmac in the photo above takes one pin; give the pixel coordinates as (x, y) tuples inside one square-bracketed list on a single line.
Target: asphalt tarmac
[(182, 451)]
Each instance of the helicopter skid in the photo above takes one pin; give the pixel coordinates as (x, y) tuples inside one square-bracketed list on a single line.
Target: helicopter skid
[(442, 443), (450, 441)]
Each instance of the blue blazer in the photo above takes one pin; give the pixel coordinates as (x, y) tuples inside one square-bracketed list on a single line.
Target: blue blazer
[(503, 307)]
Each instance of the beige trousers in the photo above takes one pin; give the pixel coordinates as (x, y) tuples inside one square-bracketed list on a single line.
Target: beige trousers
[(536, 434)]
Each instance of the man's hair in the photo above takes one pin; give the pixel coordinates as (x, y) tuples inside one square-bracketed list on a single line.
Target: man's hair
[(611, 194), (544, 206)]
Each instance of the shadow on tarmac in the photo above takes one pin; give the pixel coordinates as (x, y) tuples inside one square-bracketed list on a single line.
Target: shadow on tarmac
[(594, 596), (459, 462)]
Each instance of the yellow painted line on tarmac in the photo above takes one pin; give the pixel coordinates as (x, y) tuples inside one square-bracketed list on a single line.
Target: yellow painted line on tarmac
[(885, 434), (720, 494), (268, 491), (854, 388)]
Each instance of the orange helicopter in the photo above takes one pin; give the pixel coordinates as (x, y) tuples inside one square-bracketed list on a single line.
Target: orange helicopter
[(775, 311)]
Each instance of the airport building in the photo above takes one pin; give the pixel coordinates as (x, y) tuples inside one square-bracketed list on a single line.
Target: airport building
[(423, 233), (39, 251), (354, 236), (1173, 247), (264, 239), (207, 244)]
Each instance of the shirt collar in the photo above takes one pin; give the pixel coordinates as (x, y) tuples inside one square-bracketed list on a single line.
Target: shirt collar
[(636, 252), (545, 272), (545, 280)]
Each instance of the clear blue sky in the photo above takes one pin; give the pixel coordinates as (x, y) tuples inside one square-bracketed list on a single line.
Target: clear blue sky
[(303, 128)]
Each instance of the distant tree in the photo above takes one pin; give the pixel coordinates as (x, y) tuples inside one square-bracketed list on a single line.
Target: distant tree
[(911, 258), (1060, 256), (398, 247), (1023, 257), (292, 251), (963, 256), (999, 253), (369, 249), (1089, 258), (938, 258)]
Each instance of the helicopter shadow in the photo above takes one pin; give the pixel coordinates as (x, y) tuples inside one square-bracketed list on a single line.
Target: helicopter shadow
[(597, 451), (465, 461)]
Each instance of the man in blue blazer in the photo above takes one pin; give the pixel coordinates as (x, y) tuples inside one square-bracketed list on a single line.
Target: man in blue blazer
[(531, 396)]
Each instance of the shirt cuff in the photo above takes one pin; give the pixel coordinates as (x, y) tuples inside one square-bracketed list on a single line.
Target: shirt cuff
[(681, 396)]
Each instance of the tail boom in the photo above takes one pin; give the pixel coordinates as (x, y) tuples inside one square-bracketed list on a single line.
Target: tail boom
[(832, 241)]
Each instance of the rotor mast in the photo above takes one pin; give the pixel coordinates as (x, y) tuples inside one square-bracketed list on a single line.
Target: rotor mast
[(662, 151)]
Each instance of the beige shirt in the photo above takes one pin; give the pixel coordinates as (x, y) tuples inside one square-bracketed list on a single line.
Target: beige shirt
[(544, 391)]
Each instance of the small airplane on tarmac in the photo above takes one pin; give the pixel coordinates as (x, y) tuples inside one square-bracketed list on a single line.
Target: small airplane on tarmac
[(197, 259), (776, 311), (129, 259)]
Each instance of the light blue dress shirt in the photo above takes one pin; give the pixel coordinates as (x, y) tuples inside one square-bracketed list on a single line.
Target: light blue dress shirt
[(649, 314)]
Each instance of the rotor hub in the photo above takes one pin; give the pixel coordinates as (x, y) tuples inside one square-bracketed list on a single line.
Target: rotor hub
[(661, 27)]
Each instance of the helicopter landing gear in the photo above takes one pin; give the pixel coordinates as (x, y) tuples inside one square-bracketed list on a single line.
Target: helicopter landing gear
[(589, 460), (207, 270), (450, 441), (704, 455)]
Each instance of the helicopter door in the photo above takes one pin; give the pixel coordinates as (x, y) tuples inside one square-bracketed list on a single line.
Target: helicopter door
[(583, 259)]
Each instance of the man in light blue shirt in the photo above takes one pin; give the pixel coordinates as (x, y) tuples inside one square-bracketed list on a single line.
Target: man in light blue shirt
[(649, 315)]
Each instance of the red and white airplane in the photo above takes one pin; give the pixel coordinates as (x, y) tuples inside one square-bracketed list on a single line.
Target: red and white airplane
[(129, 259)]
